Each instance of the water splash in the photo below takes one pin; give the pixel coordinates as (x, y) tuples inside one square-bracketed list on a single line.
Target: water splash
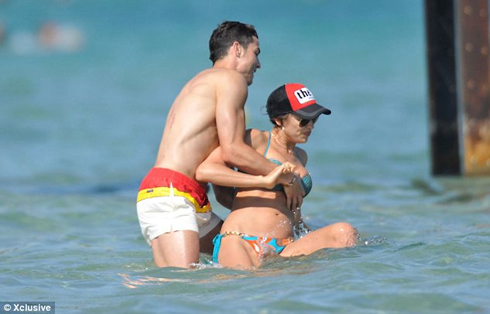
[(300, 231), (374, 241)]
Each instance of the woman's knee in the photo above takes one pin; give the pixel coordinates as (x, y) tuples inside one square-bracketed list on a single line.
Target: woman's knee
[(346, 234)]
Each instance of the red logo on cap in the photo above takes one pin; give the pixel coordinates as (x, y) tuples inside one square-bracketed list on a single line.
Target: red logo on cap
[(299, 96)]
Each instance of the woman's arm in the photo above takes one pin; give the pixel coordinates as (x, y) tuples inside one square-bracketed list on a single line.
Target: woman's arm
[(215, 171)]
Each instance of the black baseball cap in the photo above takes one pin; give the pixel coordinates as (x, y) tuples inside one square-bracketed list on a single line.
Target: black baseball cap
[(294, 98)]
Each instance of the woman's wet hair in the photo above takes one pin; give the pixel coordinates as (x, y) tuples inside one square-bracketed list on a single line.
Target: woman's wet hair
[(281, 117)]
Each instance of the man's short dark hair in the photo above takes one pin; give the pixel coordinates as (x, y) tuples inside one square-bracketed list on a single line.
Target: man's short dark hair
[(226, 34)]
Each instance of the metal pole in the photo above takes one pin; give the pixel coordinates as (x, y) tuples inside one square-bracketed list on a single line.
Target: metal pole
[(443, 98), (473, 48)]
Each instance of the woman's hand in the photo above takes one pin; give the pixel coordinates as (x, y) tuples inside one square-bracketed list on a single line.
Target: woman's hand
[(291, 182), (282, 173)]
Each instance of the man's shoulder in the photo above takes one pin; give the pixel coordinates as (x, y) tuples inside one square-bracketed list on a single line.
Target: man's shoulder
[(222, 76), (218, 79)]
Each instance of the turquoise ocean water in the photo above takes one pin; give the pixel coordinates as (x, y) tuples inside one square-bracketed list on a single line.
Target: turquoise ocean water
[(80, 124)]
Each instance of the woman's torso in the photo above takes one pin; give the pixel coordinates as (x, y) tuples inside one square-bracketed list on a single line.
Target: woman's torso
[(260, 212)]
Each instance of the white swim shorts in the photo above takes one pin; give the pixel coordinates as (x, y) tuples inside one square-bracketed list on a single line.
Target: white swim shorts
[(159, 215)]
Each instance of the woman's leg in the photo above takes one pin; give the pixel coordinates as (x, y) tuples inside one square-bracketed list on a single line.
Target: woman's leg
[(236, 253), (337, 235)]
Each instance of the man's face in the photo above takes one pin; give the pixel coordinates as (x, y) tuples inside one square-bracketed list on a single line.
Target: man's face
[(249, 62)]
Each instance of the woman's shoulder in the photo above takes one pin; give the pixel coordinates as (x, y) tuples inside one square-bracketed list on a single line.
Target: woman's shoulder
[(256, 138), (302, 155)]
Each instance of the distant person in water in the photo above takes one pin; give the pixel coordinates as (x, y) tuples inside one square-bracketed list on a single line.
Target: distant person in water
[(173, 209), (260, 223), (52, 37)]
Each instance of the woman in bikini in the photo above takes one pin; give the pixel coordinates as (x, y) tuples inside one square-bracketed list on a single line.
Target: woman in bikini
[(260, 223)]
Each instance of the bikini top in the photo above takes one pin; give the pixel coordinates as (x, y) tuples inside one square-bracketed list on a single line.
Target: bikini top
[(306, 181)]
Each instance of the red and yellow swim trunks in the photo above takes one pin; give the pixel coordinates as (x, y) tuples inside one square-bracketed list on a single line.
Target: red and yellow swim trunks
[(170, 201), (166, 182)]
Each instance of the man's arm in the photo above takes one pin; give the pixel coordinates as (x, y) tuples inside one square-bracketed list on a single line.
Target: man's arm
[(230, 121), (231, 95)]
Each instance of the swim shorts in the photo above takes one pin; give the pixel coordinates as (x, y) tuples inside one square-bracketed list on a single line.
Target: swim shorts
[(170, 201)]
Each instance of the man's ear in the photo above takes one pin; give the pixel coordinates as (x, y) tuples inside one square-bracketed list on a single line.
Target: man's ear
[(237, 49)]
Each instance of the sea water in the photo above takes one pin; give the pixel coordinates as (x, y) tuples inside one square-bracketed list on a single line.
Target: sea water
[(80, 123)]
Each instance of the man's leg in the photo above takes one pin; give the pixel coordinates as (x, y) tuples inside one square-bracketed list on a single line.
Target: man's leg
[(176, 249)]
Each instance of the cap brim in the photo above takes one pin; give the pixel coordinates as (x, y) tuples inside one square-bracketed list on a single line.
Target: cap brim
[(312, 111)]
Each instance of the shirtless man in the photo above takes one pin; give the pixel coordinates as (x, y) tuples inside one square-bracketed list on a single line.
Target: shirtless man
[(173, 208)]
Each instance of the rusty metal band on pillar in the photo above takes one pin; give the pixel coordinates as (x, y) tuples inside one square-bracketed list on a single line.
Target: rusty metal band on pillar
[(474, 84)]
